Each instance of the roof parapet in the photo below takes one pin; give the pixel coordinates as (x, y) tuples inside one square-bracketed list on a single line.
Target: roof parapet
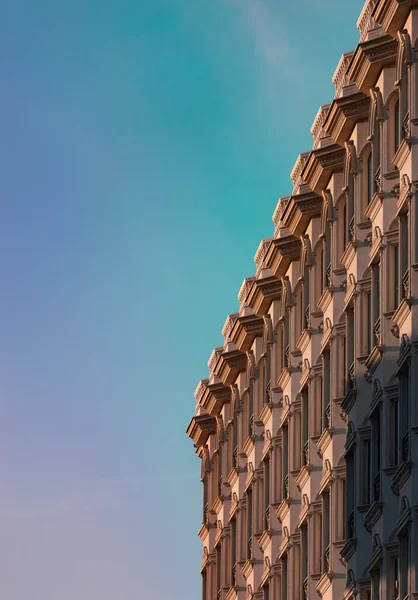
[(229, 323), (366, 22), (340, 78), (317, 129), (296, 174), (278, 213), (244, 289)]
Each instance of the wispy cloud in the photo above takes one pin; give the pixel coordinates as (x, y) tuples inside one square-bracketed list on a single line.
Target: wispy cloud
[(269, 38)]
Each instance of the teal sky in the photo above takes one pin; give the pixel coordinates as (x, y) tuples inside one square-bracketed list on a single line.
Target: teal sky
[(145, 145)]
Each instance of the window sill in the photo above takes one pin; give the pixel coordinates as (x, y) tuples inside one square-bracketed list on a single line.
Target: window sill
[(373, 515), (400, 477), (348, 549)]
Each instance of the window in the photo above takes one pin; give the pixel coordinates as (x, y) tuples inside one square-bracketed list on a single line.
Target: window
[(285, 461), (366, 470), (249, 524), (304, 561), (350, 494), (327, 268), (250, 399), (350, 364), (266, 494), (376, 455), (404, 564), (395, 588), (376, 154), (395, 433), (404, 253), (234, 574), (396, 298), (326, 389), (397, 127), (370, 178), (218, 571), (266, 592), (375, 576), (326, 558), (204, 585), (304, 450), (375, 307), (284, 595), (404, 399)]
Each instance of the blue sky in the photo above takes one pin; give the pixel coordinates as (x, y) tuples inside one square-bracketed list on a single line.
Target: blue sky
[(145, 145)]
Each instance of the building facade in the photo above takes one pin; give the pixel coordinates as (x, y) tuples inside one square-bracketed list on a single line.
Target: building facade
[(307, 424)]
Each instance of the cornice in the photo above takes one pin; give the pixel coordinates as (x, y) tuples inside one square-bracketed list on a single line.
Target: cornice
[(245, 329), (215, 396), (369, 59), (392, 14), (263, 292), (200, 428), (281, 253), (320, 165), (343, 115), (301, 208), (229, 365)]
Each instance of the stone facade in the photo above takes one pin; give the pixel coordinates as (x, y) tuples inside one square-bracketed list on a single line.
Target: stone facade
[(307, 424)]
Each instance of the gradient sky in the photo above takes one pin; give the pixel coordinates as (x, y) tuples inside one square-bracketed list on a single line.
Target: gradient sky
[(144, 147)]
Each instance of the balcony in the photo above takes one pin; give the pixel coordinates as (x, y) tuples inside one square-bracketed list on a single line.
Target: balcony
[(251, 426), (234, 575)]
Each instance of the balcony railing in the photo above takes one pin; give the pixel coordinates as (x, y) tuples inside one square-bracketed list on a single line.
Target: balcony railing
[(328, 416), (328, 276), (377, 488), (220, 481), (286, 487), (219, 595), (235, 457), (377, 332), (352, 376), (306, 588), (287, 356), (406, 126), (251, 425), (206, 513), (306, 452), (351, 529), (378, 180), (307, 324), (234, 575), (351, 229), (405, 447), (405, 284), (327, 559), (267, 519), (250, 547)]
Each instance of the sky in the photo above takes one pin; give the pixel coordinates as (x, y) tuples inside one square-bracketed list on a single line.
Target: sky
[(144, 147)]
